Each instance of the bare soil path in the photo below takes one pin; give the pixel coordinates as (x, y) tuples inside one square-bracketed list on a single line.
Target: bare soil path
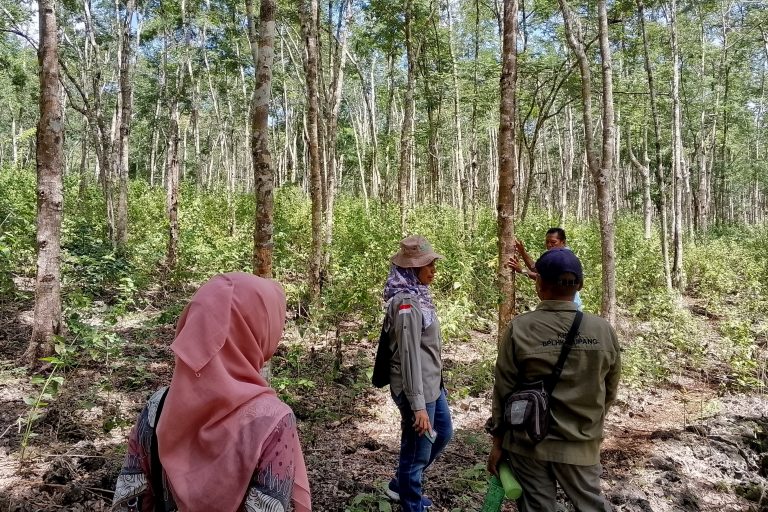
[(686, 446)]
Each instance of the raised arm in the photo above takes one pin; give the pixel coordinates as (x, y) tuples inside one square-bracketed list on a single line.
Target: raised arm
[(524, 254)]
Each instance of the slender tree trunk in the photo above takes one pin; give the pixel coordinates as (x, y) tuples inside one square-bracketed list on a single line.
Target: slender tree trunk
[(474, 152), (722, 210), (263, 175), (309, 32), (661, 203), (645, 172), (172, 184), (507, 163), (83, 186), (604, 176), (126, 103), (677, 156), (338, 52), (15, 143), (600, 169), (433, 158), (568, 157), (406, 137), (358, 130), (388, 146), (50, 197), (155, 136), (459, 149)]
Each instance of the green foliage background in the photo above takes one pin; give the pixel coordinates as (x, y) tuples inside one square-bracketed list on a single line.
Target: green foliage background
[(726, 268)]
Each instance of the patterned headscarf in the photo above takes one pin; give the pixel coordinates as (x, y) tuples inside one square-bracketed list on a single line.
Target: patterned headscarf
[(405, 280)]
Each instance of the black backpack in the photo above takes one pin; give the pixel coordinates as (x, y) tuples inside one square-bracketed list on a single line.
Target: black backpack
[(380, 377)]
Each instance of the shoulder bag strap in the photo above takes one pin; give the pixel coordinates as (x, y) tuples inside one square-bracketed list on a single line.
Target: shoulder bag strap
[(567, 346), (156, 467)]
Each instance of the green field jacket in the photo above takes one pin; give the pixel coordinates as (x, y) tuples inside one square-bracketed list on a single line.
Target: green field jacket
[(586, 388)]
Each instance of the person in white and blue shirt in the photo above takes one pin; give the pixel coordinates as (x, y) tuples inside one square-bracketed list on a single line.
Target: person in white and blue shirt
[(555, 237)]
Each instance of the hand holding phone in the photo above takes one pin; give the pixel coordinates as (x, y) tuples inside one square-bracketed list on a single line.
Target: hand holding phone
[(431, 435)]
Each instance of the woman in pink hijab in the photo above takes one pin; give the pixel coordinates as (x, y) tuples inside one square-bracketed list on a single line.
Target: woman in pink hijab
[(218, 439)]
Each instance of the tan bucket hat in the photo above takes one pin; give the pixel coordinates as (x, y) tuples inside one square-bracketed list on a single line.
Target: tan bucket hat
[(415, 251)]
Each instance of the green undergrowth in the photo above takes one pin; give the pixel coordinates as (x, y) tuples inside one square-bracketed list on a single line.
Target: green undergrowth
[(726, 270)]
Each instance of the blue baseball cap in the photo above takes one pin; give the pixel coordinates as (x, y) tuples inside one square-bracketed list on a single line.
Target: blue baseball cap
[(556, 262)]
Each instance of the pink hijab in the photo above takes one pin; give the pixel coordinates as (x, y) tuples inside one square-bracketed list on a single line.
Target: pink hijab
[(219, 410)]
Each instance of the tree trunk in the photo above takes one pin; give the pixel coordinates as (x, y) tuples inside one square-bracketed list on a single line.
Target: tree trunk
[(645, 172), (507, 164), (50, 197), (600, 169), (83, 184), (604, 175), (172, 184), (406, 136), (661, 203), (338, 52), (677, 156), (433, 159), (126, 103), (309, 32), (474, 153), (263, 175), (466, 182)]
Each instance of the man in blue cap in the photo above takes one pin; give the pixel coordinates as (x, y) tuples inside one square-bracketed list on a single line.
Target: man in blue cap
[(570, 452)]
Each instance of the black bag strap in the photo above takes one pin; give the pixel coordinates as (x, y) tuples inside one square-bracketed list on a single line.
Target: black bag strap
[(380, 376), (156, 467), (567, 346)]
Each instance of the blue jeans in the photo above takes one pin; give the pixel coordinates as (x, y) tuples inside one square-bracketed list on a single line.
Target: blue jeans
[(417, 452)]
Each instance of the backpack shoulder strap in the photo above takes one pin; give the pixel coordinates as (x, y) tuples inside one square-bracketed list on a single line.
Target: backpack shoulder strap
[(158, 489)]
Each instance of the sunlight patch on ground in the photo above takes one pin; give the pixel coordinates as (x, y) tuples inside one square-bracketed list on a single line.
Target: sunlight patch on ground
[(13, 389), (480, 347)]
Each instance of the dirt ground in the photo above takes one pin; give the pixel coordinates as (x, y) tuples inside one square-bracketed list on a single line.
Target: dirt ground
[(686, 446)]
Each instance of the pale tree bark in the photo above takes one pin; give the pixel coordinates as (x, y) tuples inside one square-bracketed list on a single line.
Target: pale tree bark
[(338, 53), (371, 149), (600, 168), (756, 206), (722, 211), (661, 204), (126, 104), (156, 130), (567, 157), (677, 155), (388, 142), (645, 172), (83, 182), (473, 146), (50, 197), (465, 175), (308, 14), (358, 132), (263, 175), (172, 181), (507, 164), (544, 95), (433, 155), (89, 89), (604, 175), (15, 143), (406, 135)]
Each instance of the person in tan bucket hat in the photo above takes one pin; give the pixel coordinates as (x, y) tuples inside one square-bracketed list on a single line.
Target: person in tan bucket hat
[(415, 252), (416, 366)]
